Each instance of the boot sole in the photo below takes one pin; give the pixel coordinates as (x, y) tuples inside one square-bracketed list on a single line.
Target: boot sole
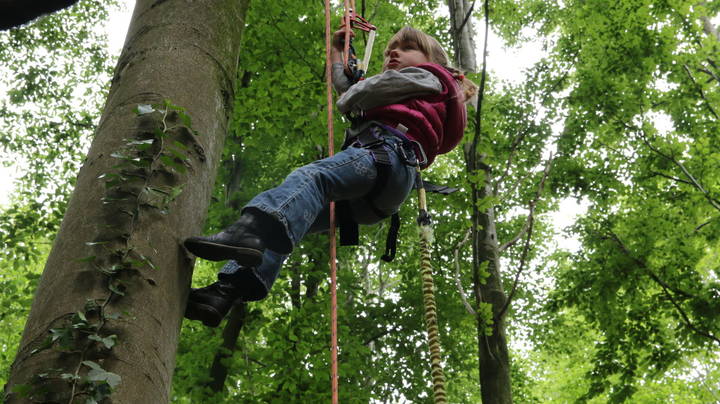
[(204, 313), (221, 252)]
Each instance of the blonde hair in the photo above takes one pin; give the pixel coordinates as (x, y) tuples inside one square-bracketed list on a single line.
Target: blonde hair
[(432, 49)]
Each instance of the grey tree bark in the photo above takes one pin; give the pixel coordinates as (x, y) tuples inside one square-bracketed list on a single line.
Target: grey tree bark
[(463, 34), (708, 26), (112, 295), (493, 357)]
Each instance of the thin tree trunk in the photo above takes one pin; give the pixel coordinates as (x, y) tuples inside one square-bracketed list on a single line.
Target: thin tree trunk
[(236, 318), (495, 382), (218, 370), (708, 27), (115, 284), (493, 358), (463, 34)]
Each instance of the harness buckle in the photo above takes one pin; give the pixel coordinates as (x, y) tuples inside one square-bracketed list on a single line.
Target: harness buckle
[(422, 159)]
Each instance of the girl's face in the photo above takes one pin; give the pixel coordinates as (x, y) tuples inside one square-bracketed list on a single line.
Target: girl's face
[(404, 54)]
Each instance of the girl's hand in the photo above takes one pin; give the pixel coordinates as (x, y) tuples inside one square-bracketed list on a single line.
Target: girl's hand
[(338, 39)]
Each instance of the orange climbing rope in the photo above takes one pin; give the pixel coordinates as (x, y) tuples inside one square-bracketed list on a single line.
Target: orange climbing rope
[(355, 70), (333, 257)]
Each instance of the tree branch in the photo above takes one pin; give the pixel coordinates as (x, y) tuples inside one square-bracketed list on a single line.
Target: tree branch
[(700, 226), (527, 229), (507, 192), (710, 73), (458, 284), (702, 93), (670, 177), (299, 56), (531, 208), (378, 336), (219, 369), (523, 260), (644, 266), (665, 287), (513, 148), (694, 182), (481, 94), (467, 17)]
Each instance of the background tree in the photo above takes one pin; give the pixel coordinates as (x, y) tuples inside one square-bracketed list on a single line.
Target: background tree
[(112, 293)]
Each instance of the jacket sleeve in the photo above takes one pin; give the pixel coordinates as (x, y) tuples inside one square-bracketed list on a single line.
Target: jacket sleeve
[(340, 81), (390, 87)]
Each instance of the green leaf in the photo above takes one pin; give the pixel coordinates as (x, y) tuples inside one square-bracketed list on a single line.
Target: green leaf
[(108, 341), (89, 258), (141, 145), (22, 390), (147, 261), (80, 315), (117, 287), (92, 365), (98, 374)]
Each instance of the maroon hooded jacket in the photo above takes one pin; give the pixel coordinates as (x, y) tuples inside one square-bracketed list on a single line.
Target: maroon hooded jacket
[(435, 121)]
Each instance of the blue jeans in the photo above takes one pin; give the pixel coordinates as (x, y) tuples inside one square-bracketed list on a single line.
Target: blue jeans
[(301, 202)]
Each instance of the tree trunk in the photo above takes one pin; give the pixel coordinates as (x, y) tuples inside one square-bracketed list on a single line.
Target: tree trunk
[(236, 318), (494, 361), (108, 306), (462, 34), (218, 369), (493, 358)]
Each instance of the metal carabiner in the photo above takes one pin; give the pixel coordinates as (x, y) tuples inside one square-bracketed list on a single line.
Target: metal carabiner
[(353, 70)]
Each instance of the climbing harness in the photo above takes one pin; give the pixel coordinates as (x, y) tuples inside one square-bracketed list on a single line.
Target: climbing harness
[(373, 136)]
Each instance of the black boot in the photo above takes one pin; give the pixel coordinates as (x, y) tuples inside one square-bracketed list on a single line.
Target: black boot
[(247, 283), (212, 303), (244, 241)]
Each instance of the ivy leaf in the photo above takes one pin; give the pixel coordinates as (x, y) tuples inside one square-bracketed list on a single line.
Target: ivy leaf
[(98, 374), (143, 109), (86, 259), (108, 341), (141, 145), (117, 287), (63, 337)]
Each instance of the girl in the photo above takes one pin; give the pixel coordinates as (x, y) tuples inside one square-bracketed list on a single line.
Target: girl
[(403, 117)]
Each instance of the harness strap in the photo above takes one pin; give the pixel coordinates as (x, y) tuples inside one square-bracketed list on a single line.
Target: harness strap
[(391, 241), (368, 135), (349, 230)]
